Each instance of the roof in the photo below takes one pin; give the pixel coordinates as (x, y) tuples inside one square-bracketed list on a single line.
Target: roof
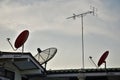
[(83, 71), (80, 73), (23, 61)]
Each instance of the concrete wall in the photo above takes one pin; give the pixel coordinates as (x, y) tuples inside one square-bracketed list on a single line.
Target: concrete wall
[(10, 67)]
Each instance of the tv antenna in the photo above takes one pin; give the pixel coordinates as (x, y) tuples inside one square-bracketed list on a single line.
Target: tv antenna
[(82, 16), (20, 40), (44, 56)]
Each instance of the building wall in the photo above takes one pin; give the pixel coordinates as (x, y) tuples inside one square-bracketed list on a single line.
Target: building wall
[(10, 67)]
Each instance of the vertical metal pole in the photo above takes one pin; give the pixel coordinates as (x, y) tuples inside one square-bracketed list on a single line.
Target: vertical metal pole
[(45, 65), (105, 67), (105, 64), (82, 42), (22, 48)]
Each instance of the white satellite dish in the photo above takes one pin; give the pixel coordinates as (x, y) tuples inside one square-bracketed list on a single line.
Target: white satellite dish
[(44, 56)]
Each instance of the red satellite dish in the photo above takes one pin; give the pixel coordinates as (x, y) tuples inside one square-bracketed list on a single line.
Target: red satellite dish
[(102, 58), (21, 38)]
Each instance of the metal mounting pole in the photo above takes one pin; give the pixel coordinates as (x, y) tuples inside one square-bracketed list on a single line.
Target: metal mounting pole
[(83, 65), (105, 64), (22, 48)]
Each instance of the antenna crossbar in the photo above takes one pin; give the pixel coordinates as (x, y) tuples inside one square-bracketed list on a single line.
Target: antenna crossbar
[(80, 15)]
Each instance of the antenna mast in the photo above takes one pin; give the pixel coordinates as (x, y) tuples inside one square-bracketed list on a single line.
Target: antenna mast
[(82, 16)]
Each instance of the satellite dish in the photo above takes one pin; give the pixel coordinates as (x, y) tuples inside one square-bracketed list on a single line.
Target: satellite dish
[(21, 38), (102, 59), (44, 56)]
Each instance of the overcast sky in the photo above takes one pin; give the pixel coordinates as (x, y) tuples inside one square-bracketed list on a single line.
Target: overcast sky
[(48, 27)]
